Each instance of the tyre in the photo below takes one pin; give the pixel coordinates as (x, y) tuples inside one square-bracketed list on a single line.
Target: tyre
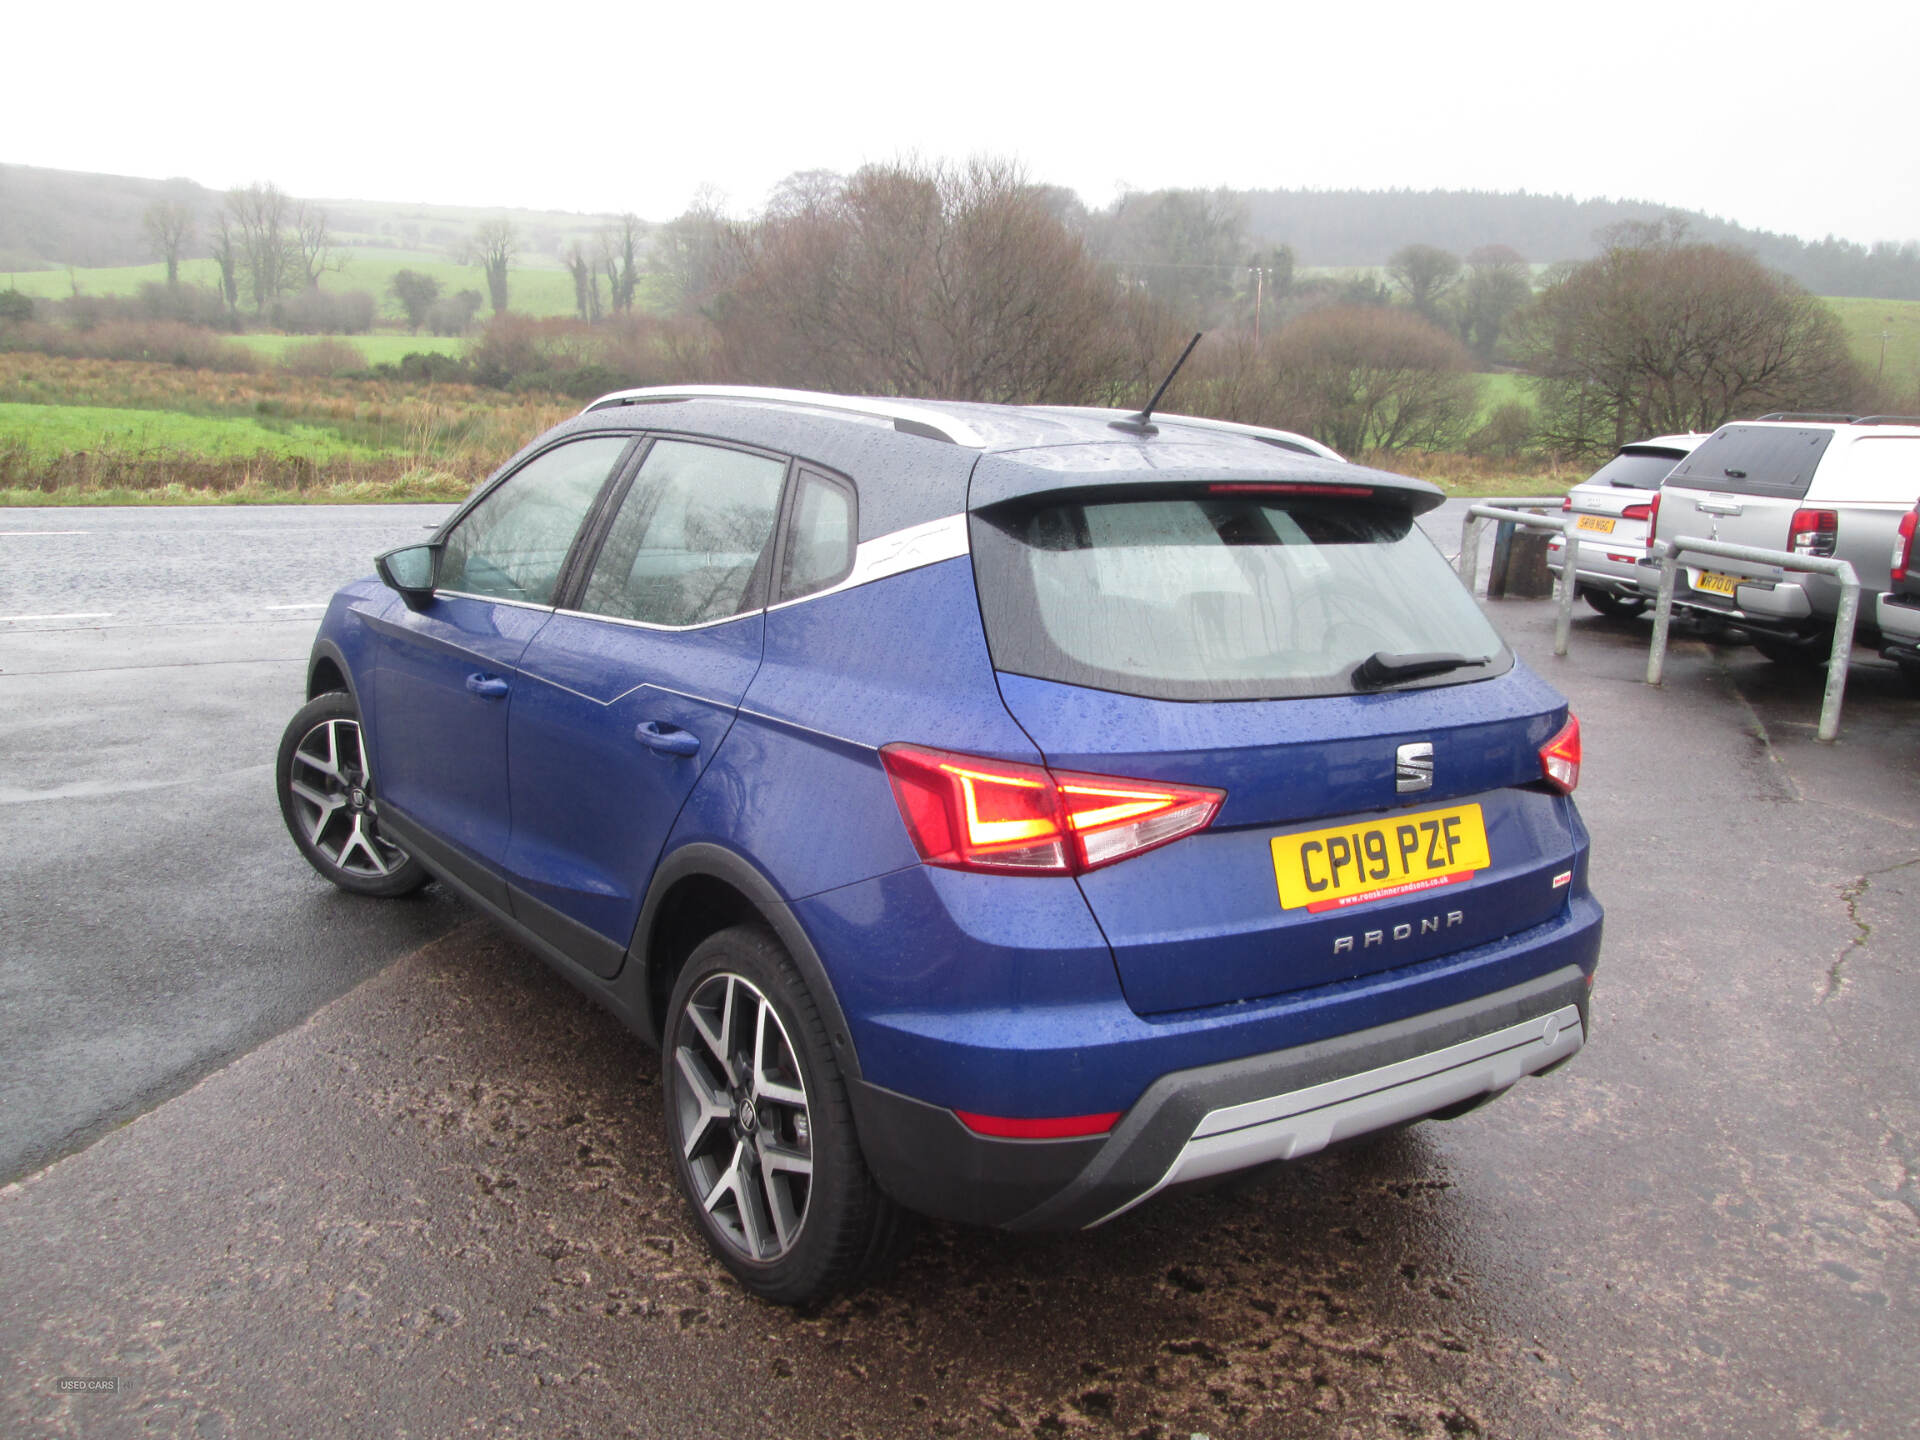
[(1616, 607), (1795, 654), (327, 799), (762, 1129)]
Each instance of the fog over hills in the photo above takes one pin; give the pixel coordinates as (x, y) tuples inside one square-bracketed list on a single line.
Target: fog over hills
[(53, 218)]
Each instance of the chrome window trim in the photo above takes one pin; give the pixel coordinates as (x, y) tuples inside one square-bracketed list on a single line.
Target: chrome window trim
[(880, 558), (494, 599)]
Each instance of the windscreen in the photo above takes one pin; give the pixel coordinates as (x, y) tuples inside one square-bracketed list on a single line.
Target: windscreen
[(1203, 596), (1635, 469)]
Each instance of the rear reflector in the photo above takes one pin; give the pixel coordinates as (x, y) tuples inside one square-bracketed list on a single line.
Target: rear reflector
[(1560, 757), (970, 813), (1051, 1127)]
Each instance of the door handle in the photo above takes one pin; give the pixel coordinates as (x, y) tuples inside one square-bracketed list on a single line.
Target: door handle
[(666, 739), (491, 686), (1719, 507)]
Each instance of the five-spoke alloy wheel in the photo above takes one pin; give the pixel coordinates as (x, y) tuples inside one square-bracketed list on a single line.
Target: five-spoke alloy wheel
[(327, 799), (762, 1130)]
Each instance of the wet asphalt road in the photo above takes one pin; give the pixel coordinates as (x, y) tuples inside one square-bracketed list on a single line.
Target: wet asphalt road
[(441, 1206), (157, 919)]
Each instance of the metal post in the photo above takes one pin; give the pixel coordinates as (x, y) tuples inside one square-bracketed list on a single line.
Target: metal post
[(1569, 568), (1843, 623), (1470, 550), (1662, 611)]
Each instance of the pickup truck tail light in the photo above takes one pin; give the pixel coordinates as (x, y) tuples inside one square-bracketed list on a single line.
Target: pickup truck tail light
[(1903, 543), (1812, 532), (966, 812), (1560, 757)]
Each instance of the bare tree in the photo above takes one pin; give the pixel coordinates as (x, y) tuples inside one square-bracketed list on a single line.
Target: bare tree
[(1658, 336), (692, 255), (261, 213), (225, 248), (311, 249), (586, 283), (1185, 248), (493, 246), (1368, 378), (619, 253), (1425, 274), (957, 282), (169, 227)]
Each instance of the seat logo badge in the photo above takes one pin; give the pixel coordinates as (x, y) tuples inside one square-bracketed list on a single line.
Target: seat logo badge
[(1413, 767)]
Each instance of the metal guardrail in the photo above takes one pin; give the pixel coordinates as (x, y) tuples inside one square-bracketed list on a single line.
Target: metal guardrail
[(1477, 516), (1668, 553)]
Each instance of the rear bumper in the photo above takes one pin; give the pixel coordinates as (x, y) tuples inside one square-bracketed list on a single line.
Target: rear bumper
[(1775, 606), (1598, 570), (1898, 617), (1210, 1120)]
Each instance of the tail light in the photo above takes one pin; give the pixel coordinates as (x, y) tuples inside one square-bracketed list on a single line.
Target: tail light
[(970, 813), (1637, 512), (1812, 532), (1566, 502), (1560, 757), (1903, 544), (1653, 519)]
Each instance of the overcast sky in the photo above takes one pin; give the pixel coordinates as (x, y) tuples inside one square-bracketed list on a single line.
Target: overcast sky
[(1797, 118)]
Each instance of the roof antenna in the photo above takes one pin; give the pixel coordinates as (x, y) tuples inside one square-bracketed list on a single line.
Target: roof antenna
[(1142, 423)]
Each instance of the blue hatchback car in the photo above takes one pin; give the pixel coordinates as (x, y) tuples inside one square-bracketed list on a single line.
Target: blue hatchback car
[(998, 813)]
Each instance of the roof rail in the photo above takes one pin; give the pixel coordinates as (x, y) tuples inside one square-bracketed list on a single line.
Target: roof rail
[(1888, 420), (1820, 416), (907, 418)]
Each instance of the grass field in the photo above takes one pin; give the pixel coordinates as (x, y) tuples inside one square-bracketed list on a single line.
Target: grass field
[(531, 289), (47, 432), (1899, 321)]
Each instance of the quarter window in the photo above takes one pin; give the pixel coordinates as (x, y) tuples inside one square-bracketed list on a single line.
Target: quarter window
[(512, 545), (691, 541), (820, 537)]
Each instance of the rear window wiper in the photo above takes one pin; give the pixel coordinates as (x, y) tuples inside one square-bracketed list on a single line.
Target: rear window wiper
[(1385, 668)]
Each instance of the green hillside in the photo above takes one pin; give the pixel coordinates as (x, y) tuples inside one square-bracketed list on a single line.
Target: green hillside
[(1899, 321)]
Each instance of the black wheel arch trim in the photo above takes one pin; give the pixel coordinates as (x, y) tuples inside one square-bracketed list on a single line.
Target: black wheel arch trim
[(705, 859), (328, 651)]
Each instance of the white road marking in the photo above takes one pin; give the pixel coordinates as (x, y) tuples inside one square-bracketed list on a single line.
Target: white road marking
[(80, 615), (43, 532), (314, 605)]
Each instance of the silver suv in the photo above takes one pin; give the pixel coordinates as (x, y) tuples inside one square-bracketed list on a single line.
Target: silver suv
[(1832, 485)]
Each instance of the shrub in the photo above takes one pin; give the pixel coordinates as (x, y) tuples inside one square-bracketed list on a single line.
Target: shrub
[(166, 342), (324, 312), (15, 307), (453, 314), (188, 304), (323, 357), (1507, 431)]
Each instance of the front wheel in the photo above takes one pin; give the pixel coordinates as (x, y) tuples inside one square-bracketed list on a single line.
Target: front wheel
[(761, 1127), (327, 800)]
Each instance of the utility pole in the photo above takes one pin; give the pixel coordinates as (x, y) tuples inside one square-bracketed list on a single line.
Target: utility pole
[(1882, 368), (1259, 294)]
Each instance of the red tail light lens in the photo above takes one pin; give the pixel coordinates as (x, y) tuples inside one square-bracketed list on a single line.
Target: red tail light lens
[(1653, 518), (1637, 512), (969, 813), (1560, 757), (1812, 532), (1903, 544), (1566, 502)]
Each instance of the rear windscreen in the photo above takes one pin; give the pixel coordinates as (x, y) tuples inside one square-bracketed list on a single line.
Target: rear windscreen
[(1755, 460), (1207, 597), (1636, 470)]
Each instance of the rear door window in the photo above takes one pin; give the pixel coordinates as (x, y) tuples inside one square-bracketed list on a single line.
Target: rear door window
[(692, 541), (1200, 596), (820, 536), (1755, 460)]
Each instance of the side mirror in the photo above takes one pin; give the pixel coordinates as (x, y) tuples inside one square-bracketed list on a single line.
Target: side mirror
[(412, 570)]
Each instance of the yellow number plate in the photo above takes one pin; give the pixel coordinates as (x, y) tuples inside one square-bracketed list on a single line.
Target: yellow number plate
[(1379, 859), (1714, 581), (1601, 523)]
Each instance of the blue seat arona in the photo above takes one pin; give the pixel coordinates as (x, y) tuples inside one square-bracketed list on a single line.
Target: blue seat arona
[(998, 813)]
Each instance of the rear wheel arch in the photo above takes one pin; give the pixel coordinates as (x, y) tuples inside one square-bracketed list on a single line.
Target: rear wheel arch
[(700, 890)]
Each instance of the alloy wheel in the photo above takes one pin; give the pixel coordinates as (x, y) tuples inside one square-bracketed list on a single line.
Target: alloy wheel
[(741, 1107), (333, 799)]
